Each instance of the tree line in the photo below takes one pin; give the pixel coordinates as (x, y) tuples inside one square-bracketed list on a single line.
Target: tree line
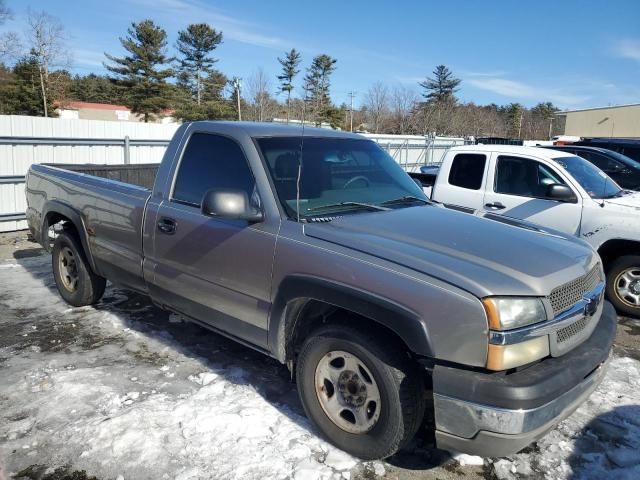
[(154, 79)]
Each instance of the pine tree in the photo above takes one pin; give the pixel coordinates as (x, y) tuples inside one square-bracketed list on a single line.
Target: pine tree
[(28, 94), (316, 84), (196, 44), (141, 73), (441, 88), (289, 70)]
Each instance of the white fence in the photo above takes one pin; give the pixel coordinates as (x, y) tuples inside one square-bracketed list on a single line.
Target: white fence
[(27, 140)]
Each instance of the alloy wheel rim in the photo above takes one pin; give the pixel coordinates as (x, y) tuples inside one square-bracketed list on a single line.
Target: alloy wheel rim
[(68, 269), (627, 286), (347, 392)]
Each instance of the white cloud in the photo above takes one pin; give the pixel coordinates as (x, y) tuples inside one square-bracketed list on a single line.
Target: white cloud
[(181, 12), (521, 91), (628, 49)]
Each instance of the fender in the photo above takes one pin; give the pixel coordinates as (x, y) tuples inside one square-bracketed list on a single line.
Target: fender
[(294, 292), (56, 206)]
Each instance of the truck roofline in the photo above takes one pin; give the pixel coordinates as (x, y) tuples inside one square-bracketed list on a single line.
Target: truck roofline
[(514, 150)]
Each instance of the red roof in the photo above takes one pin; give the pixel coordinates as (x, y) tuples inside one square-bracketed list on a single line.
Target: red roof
[(96, 106)]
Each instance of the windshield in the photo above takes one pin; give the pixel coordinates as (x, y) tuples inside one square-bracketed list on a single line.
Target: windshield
[(595, 182), (336, 175), (627, 161)]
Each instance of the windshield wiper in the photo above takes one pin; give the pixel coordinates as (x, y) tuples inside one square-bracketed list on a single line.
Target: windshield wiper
[(405, 199), (369, 206)]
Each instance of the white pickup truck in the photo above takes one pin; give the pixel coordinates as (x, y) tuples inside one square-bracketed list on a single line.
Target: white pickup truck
[(553, 189)]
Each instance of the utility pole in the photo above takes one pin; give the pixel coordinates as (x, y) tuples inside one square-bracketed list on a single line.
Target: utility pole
[(550, 127), (351, 95), (237, 84)]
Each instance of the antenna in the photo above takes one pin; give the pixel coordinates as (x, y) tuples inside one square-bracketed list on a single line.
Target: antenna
[(304, 108)]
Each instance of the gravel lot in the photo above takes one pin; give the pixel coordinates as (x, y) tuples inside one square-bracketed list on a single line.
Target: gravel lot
[(124, 390)]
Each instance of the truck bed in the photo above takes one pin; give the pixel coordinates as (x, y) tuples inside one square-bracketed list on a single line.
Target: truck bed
[(110, 200), (142, 175)]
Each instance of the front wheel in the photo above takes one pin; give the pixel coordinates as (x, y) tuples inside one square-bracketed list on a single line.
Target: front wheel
[(365, 398), (623, 285)]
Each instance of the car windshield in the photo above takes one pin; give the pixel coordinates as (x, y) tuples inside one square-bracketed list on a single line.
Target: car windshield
[(336, 175), (627, 161), (595, 182)]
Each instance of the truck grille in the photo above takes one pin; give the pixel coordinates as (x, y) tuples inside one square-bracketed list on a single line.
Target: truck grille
[(567, 295), (575, 328)]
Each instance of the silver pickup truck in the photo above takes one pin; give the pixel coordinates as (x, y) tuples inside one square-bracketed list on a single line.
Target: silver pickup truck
[(315, 248)]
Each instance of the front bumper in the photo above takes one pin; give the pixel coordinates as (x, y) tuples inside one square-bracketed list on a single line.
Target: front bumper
[(494, 414)]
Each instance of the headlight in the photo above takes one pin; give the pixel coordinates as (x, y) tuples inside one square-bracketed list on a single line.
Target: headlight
[(505, 313)]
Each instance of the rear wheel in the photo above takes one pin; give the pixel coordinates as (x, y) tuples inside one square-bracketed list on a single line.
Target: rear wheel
[(77, 284), (623, 285), (365, 397)]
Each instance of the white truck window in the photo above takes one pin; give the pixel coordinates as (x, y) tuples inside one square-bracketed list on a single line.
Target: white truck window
[(523, 177), (467, 171)]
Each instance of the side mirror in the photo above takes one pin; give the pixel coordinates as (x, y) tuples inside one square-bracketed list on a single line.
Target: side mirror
[(231, 204), (561, 193)]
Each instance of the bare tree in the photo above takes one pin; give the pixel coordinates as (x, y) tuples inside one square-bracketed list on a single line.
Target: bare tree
[(46, 39), (377, 102), (403, 102), (258, 87), (9, 41)]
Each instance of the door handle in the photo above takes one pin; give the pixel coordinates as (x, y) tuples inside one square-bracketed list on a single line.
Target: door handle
[(495, 205), (167, 225)]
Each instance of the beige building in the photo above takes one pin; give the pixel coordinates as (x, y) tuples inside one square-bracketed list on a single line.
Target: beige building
[(104, 111), (622, 121)]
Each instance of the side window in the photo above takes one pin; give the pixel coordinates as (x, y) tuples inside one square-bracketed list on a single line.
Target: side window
[(467, 170), (523, 177), (598, 160), (211, 161)]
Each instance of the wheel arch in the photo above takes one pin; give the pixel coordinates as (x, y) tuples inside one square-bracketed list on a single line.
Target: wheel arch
[(303, 302), (616, 248), (55, 211)]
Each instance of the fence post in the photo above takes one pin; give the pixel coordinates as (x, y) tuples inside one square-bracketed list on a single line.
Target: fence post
[(127, 153)]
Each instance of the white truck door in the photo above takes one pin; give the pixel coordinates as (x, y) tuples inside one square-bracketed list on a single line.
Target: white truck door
[(516, 187), (460, 183)]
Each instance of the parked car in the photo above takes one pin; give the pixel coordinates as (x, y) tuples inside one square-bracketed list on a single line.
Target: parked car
[(554, 189), (623, 170), (315, 248), (626, 146)]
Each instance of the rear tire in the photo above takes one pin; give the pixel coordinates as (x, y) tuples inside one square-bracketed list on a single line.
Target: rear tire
[(623, 285), (77, 284), (363, 394)]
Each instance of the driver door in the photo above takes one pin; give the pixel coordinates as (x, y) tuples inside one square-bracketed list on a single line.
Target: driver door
[(516, 187)]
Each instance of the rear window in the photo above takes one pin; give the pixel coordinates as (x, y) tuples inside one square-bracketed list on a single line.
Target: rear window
[(467, 171)]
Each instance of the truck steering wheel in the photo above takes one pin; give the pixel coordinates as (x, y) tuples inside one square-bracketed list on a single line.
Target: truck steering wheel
[(355, 179)]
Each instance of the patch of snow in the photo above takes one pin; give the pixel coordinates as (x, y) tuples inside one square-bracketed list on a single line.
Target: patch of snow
[(464, 459)]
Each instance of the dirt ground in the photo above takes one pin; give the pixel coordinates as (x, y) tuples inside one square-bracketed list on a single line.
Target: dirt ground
[(98, 392)]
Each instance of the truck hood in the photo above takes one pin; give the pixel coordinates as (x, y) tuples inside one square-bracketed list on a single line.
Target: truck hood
[(483, 254), (631, 200)]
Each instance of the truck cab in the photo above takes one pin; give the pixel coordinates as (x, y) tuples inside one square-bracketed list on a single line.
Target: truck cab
[(557, 190)]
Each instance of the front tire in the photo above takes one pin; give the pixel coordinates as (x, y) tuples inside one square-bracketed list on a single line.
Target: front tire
[(364, 396), (623, 285), (77, 284)]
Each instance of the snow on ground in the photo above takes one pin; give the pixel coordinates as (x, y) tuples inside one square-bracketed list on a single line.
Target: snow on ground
[(124, 389)]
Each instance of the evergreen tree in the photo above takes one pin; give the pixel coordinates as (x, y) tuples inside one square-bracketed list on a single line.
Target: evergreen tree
[(289, 70), (442, 87), (141, 73), (316, 84), (196, 44), (28, 94), (95, 88)]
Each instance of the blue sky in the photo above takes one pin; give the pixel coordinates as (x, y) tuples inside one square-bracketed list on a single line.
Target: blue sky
[(572, 53)]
